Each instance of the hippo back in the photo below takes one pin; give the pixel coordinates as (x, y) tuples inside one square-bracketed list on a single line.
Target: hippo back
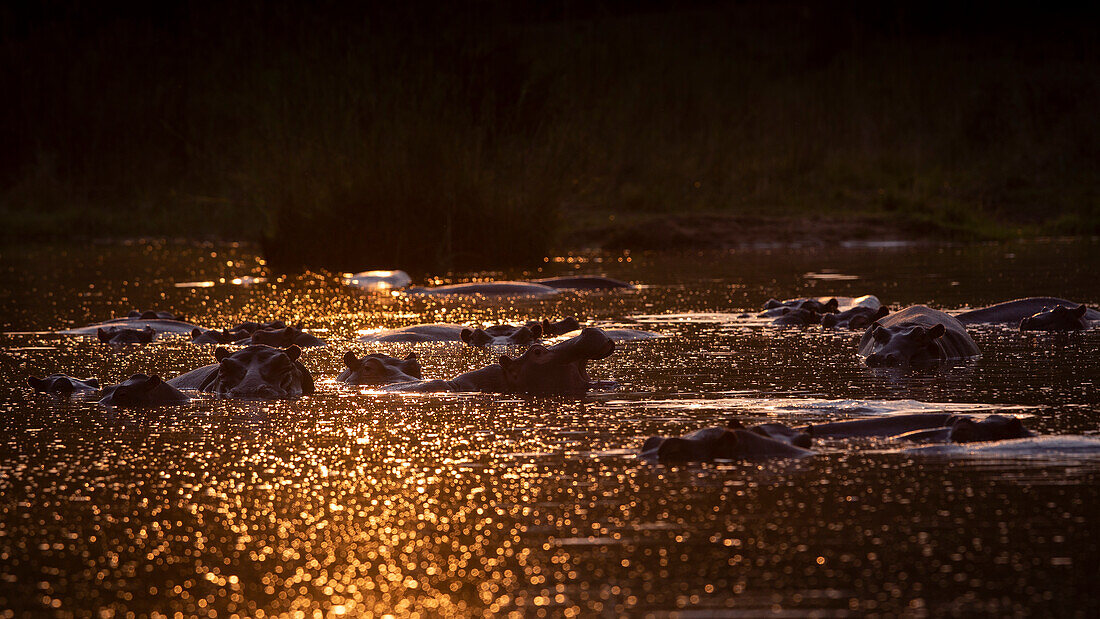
[(955, 343), (1015, 311)]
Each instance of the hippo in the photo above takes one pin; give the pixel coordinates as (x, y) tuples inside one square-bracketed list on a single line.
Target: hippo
[(378, 280), (153, 315), (554, 370), (198, 336), (249, 327), (1057, 318), (141, 390), (821, 305), (1014, 312), (281, 338), (257, 371), (117, 336), (630, 335), (487, 289), (797, 317), (858, 317), (501, 335), (914, 336), (61, 384), (435, 332), (584, 282), (160, 325), (379, 369), (718, 443), (924, 427), (561, 327)]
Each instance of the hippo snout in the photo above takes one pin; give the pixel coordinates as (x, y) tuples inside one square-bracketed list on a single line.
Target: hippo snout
[(880, 359), (262, 391)]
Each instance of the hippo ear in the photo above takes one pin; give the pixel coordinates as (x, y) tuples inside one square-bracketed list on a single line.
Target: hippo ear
[(94, 382), (881, 313), (39, 384), (221, 353), (146, 335), (293, 352), (881, 335), (937, 331), (772, 303), (832, 305), (350, 360), (411, 357), (536, 331), (134, 314), (196, 332), (102, 335), (1079, 311), (466, 335)]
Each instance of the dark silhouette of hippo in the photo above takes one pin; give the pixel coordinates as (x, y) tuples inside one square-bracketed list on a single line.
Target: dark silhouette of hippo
[(257, 371), (61, 384), (916, 335), (435, 332), (212, 336), (554, 370), (859, 317), (927, 427), (117, 336), (140, 390), (241, 334), (584, 282), (488, 289), (153, 315), (561, 327), (1014, 312), (379, 369), (821, 305), (729, 443), (160, 325), (796, 317), (281, 338), (501, 335), (1057, 318)]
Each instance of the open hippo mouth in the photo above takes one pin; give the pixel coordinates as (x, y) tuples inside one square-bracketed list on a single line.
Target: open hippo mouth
[(559, 368)]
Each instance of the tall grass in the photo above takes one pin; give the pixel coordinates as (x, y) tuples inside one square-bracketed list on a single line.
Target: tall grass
[(474, 135)]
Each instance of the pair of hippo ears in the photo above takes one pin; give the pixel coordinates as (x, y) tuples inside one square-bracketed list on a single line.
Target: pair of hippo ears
[(1074, 312), (535, 330), (882, 335), (291, 351), (354, 363)]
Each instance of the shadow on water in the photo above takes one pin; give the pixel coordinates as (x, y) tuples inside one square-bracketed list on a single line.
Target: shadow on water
[(350, 501)]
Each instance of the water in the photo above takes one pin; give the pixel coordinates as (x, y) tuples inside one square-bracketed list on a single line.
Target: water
[(357, 503)]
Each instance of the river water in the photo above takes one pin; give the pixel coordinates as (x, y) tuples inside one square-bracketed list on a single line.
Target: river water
[(351, 502)]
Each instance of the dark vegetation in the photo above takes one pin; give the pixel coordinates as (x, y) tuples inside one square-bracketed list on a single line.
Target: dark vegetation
[(439, 135)]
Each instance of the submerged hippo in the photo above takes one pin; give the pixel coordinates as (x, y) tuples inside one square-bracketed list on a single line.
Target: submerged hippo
[(61, 384), (914, 336), (927, 427), (153, 315), (501, 335), (821, 305), (117, 336), (728, 443), (561, 327), (435, 332), (379, 369), (160, 325), (584, 282), (212, 336), (142, 390), (797, 317), (488, 289), (554, 370), (1014, 312), (257, 371), (281, 338), (1057, 318), (858, 317)]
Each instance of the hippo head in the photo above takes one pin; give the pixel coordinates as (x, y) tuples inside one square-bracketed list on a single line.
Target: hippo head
[(378, 369), (122, 335), (776, 432), (561, 327), (249, 327), (1057, 318), (799, 317), (502, 335), (700, 445), (61, 384), (259, 371), (828, 307), (142, 390), (992, 428), (198, 336), (915, 345), (558, 369)]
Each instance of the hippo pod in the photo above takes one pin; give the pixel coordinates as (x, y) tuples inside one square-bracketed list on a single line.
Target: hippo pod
[(379, 369), (61, 384), (554, 370), (734, 442), (1057, 318), (916, 335), (141, 390), (1041, 313), (257, 371), (924, 427), (117, 336), (502, 335)]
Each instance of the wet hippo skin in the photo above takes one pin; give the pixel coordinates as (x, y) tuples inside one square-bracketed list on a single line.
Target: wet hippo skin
[(61, 384), (716, 443), (916, 335), (1012, 312), (379, 369), (117, 336), (257, 371), (142, 390)]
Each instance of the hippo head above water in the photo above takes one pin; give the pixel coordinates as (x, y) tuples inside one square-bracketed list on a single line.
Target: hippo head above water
[(1057, 318), (556, 369), (121, 335), (561, 327), (198, 336), (992, 428), (286, 336), (502, 335), (141, 390), (730, 443), (254, 372), (61, 384), (914, 345), (379, 369)]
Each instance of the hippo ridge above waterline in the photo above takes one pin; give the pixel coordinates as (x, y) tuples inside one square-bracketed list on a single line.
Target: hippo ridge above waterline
[(1013, 312), (916, 335)]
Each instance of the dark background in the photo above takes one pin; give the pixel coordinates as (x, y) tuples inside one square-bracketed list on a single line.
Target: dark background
[(466, 135)]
